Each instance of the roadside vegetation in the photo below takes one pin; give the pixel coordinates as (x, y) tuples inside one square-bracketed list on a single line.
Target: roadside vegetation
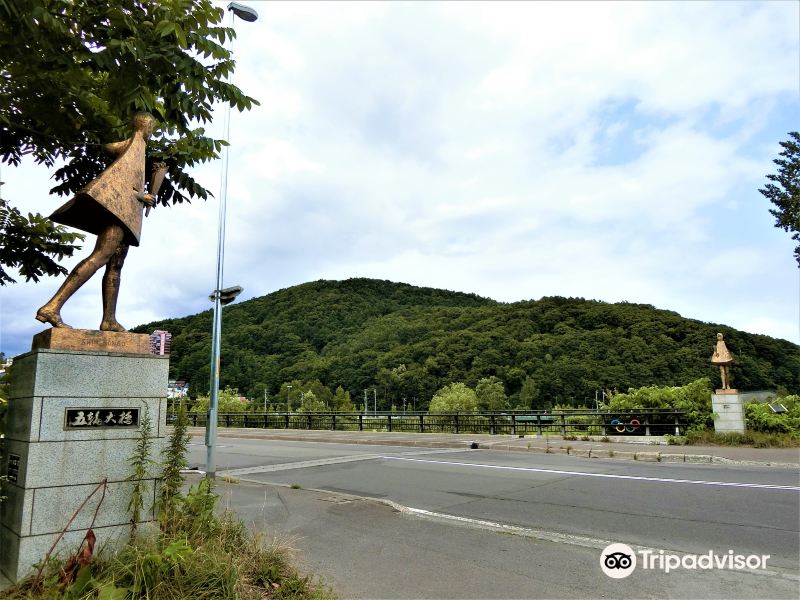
[(193, 552), (764, 428)]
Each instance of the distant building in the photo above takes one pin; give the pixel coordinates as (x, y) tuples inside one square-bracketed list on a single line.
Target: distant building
[(160, 342), (177, 389)]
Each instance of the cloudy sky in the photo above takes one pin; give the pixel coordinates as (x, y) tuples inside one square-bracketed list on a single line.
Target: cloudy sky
[(597, 150)]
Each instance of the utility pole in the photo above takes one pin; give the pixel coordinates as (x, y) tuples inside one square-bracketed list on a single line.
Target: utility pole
[(265, 399), (288, 399), (365, 401), (375, 401)]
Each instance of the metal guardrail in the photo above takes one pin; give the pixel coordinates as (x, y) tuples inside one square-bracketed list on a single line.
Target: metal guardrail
[(577, 422)]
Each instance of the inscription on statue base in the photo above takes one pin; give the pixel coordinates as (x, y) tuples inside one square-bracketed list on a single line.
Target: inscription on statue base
[(61, 338)]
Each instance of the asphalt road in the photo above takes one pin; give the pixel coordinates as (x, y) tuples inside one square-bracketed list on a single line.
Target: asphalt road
[(490, 524)]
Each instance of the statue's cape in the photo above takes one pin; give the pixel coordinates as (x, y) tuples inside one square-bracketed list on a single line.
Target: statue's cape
[(110, 199), (721, 355)]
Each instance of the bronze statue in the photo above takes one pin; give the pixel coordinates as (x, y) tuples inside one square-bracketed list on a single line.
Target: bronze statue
[(724, 359), (111, 208)]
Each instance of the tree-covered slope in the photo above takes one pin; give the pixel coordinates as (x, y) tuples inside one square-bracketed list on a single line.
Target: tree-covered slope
[(408, 342)]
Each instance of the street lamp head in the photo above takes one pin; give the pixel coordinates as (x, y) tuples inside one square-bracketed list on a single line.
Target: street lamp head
[(245, 13), (226, 295)]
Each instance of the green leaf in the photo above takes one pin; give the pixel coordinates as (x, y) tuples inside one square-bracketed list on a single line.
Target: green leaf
[(108, 591)]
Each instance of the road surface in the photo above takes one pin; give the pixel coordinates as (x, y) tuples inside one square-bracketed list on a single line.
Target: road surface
[(399, 522)]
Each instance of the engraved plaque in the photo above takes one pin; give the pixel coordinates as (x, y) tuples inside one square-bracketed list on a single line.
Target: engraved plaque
[(59, 338), (12, 472), (100, 418)]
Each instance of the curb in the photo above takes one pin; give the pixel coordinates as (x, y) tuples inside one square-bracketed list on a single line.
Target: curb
[(563, 448)]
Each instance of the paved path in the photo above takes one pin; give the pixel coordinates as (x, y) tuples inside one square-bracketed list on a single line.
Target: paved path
[(780, 457)]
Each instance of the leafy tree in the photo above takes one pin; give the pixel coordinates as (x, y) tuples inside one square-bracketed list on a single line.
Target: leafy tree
[(228, 401), (455, 397), (32, 244), (786, 194), (310, 403), (529, 394), (491, 394), (342, 401), (73, 73)]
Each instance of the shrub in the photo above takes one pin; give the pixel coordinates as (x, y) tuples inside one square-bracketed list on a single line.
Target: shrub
[(759, 416), (694, 399)]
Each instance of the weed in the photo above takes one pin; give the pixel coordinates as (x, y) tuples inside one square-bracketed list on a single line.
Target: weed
[(296, 486), (605, 439), (610, 454), (756, 439), (570, 437), (174, 461), (585, 438), (140, 462)]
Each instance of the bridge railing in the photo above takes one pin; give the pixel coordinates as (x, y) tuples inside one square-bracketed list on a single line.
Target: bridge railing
[(565, 422)]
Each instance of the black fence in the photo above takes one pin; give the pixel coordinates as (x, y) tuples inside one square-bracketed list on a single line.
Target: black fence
[(567, 422)]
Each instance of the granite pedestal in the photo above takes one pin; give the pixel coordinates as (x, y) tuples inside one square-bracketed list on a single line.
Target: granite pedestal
[(729, 411), (74, 417)]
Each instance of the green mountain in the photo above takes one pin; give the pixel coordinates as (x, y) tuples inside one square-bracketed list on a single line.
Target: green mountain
[(408, 341)]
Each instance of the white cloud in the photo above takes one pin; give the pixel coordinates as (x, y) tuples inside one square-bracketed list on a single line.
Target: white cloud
[(515, 150)]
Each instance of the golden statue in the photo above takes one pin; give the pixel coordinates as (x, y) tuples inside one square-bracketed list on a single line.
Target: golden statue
[(724, 359), (111, 208)]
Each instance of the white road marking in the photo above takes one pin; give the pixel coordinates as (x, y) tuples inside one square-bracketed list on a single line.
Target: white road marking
[(764, 486), (548, 536), (321, 462), (301, 465)]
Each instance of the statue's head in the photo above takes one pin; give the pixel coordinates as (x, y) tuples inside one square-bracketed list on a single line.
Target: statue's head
[(144, 123), (719, 337)]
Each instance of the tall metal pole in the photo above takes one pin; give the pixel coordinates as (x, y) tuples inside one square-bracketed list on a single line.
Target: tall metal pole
[(216, 332), (288, 399)]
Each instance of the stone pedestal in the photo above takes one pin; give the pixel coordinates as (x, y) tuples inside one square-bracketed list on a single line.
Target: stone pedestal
[(727, 405), (74, 417)]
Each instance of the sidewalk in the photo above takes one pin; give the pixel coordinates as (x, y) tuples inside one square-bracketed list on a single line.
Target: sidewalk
[(775, 457)]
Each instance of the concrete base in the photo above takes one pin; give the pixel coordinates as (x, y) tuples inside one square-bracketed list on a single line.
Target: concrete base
[(53, 467), (729, 411)]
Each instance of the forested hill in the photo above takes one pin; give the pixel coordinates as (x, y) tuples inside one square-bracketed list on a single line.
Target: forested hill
[(408, 341)]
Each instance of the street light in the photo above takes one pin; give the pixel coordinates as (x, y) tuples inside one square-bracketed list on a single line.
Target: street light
[(288, 399), (220, 295)]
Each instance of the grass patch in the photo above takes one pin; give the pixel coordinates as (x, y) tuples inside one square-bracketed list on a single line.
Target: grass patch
[(296, 486), (223, 562), (755, 439)]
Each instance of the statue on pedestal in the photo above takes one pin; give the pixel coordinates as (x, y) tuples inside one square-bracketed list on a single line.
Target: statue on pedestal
[(724, 359), (111, 208)]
